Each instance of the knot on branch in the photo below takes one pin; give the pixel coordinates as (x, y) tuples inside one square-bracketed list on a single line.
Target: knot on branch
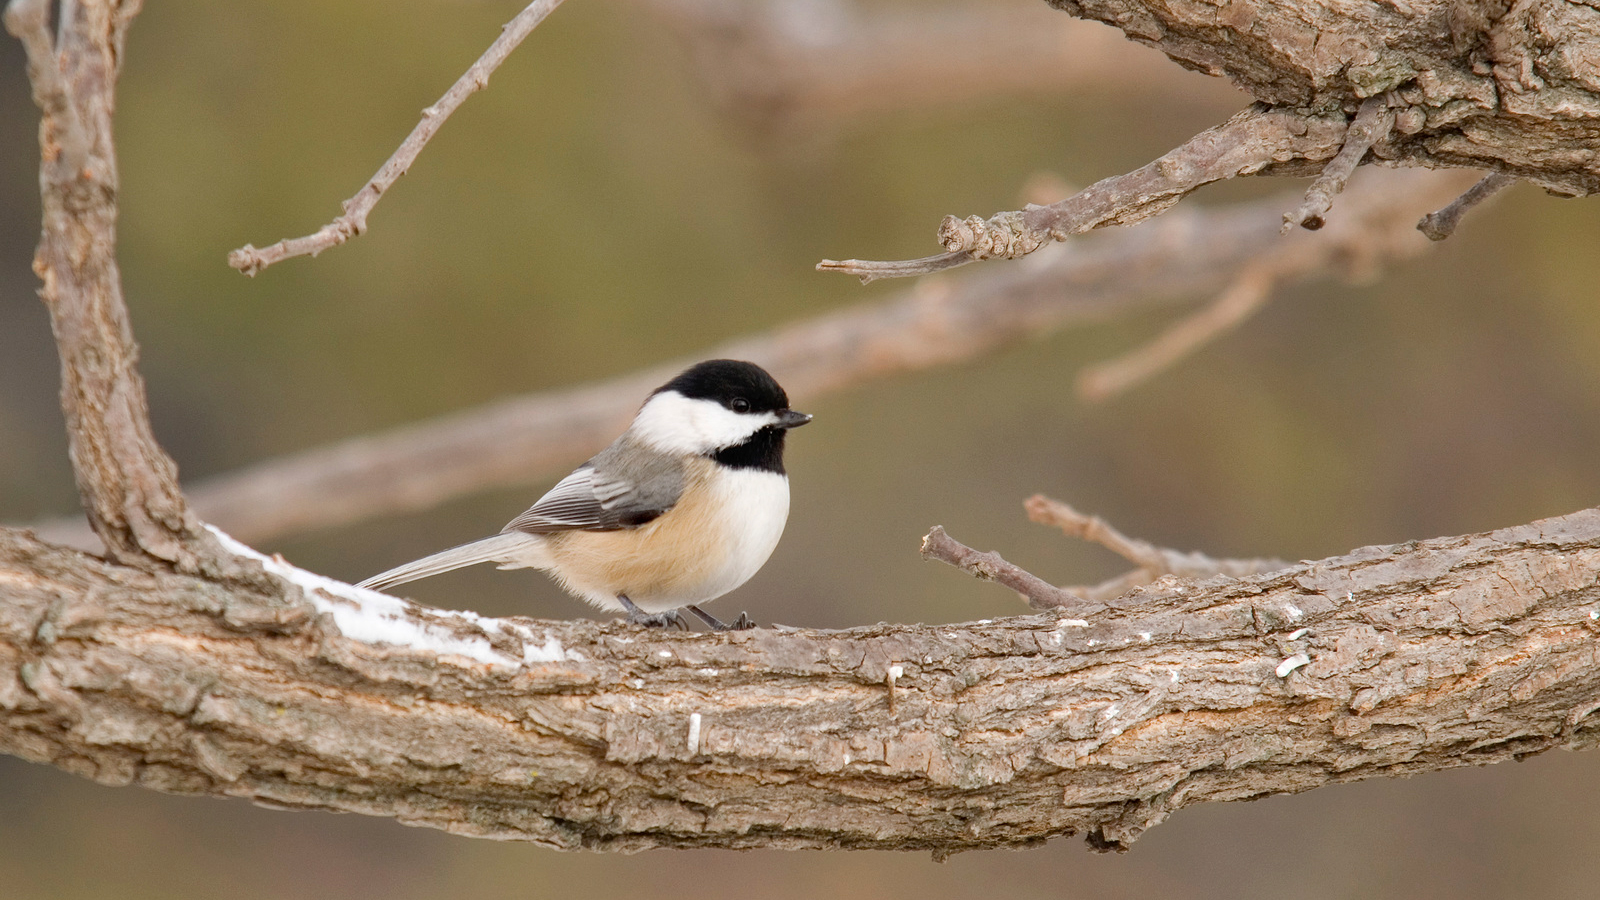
[(1004, 236)]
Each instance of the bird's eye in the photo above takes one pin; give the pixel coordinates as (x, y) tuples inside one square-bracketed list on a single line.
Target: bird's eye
[(740, 405)]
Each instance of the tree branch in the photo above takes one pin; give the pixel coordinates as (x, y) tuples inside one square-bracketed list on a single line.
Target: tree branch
[(1370, 125), (62, 136), (1256, 139), (251, 260), (128, 484), (1417, 657), (518, 441), (1238, 302), (1152, 562), (1474, 90), (1441, 224), (1038, 593)]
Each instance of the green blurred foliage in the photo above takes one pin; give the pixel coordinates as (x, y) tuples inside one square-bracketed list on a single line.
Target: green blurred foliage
[(591, 213)]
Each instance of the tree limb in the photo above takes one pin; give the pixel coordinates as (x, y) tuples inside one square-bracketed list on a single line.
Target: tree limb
[(250, 260), (1436, 85), (1480, 85), (1394, 661), (128, 484)]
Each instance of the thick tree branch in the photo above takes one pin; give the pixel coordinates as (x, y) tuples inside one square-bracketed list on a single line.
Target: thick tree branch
[(1388, 661), (128, 484), (1505, 87), (250, 260), (521, 440)]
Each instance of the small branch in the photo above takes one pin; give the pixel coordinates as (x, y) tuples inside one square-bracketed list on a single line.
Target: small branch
[(871, 270), (250, 260), (1439, 225), (1041, 595), (1256, 140), (1241, 300), (1371, 124), (29, 22), (1152, 562)]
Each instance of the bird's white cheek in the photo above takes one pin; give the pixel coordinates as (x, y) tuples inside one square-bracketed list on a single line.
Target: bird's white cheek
[(673, 423)]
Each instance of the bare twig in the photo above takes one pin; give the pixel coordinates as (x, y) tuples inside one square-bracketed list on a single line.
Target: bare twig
[(1371, 124), (1248, 293), (1153, 562), (1145, 555), (871, 270), (29, 22), (1040, 594), (523, 440), (250, 260), (1256, 140), (1439, 225)]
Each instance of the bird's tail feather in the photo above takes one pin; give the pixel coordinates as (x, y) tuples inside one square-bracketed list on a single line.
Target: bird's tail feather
[(505, 547)]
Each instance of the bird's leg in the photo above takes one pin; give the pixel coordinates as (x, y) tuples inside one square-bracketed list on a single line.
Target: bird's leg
[(636, 616), (742, 623)]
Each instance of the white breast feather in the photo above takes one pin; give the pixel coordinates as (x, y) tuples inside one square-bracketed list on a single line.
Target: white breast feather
[(758, 506)]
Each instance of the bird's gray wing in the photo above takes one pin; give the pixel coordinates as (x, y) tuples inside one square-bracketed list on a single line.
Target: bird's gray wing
[(622, 487)]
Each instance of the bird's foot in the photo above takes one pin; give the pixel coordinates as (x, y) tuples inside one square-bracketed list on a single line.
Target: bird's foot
[(636, 616), (742, 623)]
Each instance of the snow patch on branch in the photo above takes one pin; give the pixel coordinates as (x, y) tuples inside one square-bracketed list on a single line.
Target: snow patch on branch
[(376, 618)]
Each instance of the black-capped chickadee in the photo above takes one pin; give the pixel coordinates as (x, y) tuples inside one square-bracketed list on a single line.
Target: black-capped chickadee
[(684, 507)]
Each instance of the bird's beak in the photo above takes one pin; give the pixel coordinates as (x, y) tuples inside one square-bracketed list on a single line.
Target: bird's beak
[(791, 419)]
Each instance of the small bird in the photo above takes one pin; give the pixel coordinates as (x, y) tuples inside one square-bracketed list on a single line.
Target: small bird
[(684, 507)]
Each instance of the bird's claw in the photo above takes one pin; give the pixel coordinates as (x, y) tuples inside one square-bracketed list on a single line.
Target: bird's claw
[(743, 623), (672, 618), (669, 619)]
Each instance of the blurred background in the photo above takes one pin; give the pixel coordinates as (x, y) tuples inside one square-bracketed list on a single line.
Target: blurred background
[(630, 190)]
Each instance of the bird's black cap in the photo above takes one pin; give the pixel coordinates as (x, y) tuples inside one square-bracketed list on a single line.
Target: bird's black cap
[(728, 380)]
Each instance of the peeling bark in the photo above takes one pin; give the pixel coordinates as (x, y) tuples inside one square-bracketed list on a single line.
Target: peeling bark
[(1417, 657)]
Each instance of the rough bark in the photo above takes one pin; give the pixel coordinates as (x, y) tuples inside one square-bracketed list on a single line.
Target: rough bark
[(128, 484), (1508, 85), (1388, 661)]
